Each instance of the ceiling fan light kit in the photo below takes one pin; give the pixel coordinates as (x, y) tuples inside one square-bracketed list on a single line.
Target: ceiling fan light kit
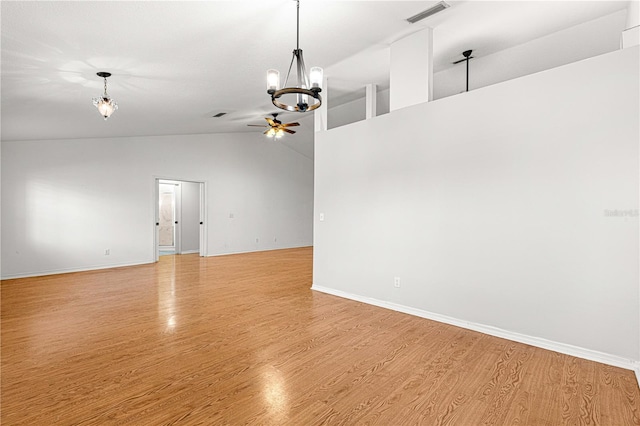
[(105, 104), (275, 134), (307, 88), (276, 129)]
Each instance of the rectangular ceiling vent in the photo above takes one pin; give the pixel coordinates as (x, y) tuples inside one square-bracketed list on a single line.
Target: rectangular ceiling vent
[(220, 114), (426, 13)]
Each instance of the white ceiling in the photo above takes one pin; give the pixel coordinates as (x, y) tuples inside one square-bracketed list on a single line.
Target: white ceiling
[(176, 64)]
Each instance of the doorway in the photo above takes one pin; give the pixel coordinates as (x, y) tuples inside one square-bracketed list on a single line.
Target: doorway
[(179, 217)]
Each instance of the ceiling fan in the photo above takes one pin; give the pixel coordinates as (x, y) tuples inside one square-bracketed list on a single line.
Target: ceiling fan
[(275, 126)]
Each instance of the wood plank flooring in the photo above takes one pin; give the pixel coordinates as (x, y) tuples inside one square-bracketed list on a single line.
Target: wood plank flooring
[(241, 339)]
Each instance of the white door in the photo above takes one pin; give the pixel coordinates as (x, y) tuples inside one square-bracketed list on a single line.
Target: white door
[(189, 217), (168, 217)]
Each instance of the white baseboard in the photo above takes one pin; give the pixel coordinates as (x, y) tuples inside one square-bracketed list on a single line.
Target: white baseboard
[(563, 348), (71, 270), (190, 252), (230, 253)]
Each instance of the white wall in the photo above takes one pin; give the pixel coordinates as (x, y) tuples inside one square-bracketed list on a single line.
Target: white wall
[(560, 48), (596, 37), (355, 110), (65, 201), (411, 69), (494, 208)]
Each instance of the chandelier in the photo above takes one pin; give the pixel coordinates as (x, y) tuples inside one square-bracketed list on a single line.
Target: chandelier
[(307, 87), (106, 106)]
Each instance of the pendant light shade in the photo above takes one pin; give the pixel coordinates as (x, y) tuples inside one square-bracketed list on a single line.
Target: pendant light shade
[(273, 80), (106, 106), (315, 75)]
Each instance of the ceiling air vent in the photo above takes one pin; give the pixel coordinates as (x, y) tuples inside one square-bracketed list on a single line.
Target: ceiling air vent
[(220, 114), (426, 13)]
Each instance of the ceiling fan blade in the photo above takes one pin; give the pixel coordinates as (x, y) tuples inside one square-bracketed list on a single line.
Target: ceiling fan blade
[(288, 131), (461, 60), (256, 125), (290, 124), (271, 122), (266, 131)]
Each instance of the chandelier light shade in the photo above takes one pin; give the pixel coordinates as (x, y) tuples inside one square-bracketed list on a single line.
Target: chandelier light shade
[(105, 104), (308, 87), (273, 81), (315, 75)]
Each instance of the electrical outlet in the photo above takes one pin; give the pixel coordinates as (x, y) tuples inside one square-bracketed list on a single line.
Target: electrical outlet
[(107, 252), (257, 240), (396, 282)]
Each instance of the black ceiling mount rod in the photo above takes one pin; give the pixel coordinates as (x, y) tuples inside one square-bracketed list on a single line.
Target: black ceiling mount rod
[(467, 56)]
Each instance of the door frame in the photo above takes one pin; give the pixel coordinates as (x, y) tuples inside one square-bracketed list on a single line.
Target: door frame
[(156, 215)]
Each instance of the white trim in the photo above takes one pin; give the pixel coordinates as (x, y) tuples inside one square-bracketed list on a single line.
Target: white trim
[(202, 240), (121, 265), (71, 270), (259, 251), (190, 252), (636, 369), (564, 348), (156, 218)]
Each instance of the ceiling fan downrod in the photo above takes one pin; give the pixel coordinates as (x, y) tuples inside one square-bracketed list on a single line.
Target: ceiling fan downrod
[(467, 55)]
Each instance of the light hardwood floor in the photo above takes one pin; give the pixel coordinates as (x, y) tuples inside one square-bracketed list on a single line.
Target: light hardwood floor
[(243, 340)]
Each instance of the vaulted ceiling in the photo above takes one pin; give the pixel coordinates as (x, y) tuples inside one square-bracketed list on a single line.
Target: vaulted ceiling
[(176, 64)]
